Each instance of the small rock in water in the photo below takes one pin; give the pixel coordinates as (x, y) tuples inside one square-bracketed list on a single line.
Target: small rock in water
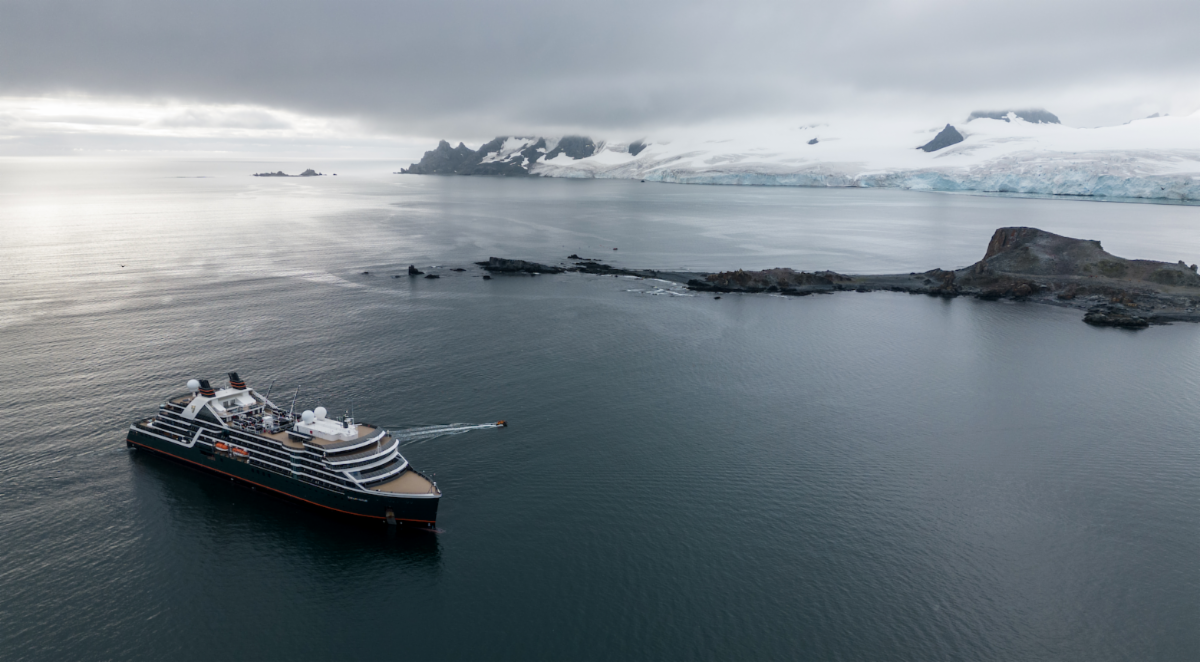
[(432, 276), (614, 249), (413, 271), (366, 273), (486, 277), (716, 297), (458, 270)]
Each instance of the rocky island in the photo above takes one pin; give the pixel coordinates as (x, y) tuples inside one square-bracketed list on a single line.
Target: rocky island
[(1024, 264), (307, 173)]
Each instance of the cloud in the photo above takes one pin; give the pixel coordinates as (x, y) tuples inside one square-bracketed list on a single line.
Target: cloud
[(235, 119), (476, 68)]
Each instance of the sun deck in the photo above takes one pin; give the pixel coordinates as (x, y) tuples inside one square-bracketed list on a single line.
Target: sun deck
[(364, 433), (408, 482)]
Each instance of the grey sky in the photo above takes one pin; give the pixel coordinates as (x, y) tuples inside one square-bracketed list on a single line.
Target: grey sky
[(475, 69)]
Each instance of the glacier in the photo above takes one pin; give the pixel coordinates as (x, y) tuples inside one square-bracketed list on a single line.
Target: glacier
[(1153, 159)]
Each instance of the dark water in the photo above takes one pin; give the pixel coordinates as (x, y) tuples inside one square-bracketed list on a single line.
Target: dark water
[(871, 476)]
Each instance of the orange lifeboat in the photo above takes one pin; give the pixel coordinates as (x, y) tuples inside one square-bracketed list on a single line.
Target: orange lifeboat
[(241, 452), (222, 446)]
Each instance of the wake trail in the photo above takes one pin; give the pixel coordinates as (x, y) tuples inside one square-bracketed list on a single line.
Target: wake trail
[(420, 434)]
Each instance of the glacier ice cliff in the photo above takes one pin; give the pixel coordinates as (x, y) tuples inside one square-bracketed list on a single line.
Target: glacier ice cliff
[(1149, 159)]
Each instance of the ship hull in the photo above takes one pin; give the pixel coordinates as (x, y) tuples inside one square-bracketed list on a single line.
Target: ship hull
[(410, 510)]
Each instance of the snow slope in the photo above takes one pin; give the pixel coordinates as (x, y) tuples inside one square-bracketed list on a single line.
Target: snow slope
[(1157, 158)]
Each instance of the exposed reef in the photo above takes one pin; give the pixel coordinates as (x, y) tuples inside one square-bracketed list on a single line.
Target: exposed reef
[(1022, 264)]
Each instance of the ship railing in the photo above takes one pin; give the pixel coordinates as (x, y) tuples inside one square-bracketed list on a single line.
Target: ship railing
[(372, 453), (351, 444), (381, 473)]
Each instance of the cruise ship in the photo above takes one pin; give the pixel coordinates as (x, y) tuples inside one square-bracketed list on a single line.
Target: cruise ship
[(335, 463)]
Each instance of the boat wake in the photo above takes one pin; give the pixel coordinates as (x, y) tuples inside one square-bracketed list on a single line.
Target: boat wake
[(423, 433)]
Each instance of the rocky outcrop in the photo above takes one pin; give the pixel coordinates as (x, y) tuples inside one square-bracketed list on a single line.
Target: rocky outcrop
[(1022, 264), (785, 281), (1032, 115), (307, 173), (506, 266), (492, 159), (1115, 314), (1025, 264), (947, 137)]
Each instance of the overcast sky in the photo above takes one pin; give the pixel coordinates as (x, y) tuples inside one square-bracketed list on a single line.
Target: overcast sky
[(396, 72)]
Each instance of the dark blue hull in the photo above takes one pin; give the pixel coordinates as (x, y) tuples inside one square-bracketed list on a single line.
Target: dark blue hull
[(418, 510)]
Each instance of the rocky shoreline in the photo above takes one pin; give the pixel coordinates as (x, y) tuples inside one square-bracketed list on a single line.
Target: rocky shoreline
[(1023, 264)]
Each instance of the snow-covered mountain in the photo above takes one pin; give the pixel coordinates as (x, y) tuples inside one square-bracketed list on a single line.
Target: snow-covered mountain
[(1156, 158)]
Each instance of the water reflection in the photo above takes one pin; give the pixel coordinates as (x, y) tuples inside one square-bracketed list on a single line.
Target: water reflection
[(223, 510)]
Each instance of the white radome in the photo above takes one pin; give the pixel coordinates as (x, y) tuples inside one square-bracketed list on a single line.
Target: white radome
[(193, 385), (321, 412), (308, 416)]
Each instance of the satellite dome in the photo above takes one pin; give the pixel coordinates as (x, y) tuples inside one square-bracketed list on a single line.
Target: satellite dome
[(307, 416), (320, 412), (193, 385)]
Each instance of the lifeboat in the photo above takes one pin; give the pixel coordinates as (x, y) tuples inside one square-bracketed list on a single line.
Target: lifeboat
[(222, 446), (241, 452)]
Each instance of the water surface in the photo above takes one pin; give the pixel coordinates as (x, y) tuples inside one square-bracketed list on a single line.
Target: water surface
[(860, 476)]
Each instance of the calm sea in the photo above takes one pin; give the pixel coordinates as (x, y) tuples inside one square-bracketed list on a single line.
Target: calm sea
[(850, 477)]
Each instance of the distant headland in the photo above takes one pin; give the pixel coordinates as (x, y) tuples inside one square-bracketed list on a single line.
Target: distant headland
[(1022, 264)]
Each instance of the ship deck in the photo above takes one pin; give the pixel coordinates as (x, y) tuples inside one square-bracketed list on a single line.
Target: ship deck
[(408, 482), (364, 432)]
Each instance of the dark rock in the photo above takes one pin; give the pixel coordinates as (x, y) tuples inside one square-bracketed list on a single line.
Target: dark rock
[(1118, 315), (395, 275), (636, 147), (813, 141), (366, 273), (460, 270), (413, 271), (947, 137), (716, 297), (432, 276), (573, 256), (310, 173), (1034, 115), (768, 280), (1069, 293), (272, 174), (486, 277), (445, 160), (502, 265), (576, 147)]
